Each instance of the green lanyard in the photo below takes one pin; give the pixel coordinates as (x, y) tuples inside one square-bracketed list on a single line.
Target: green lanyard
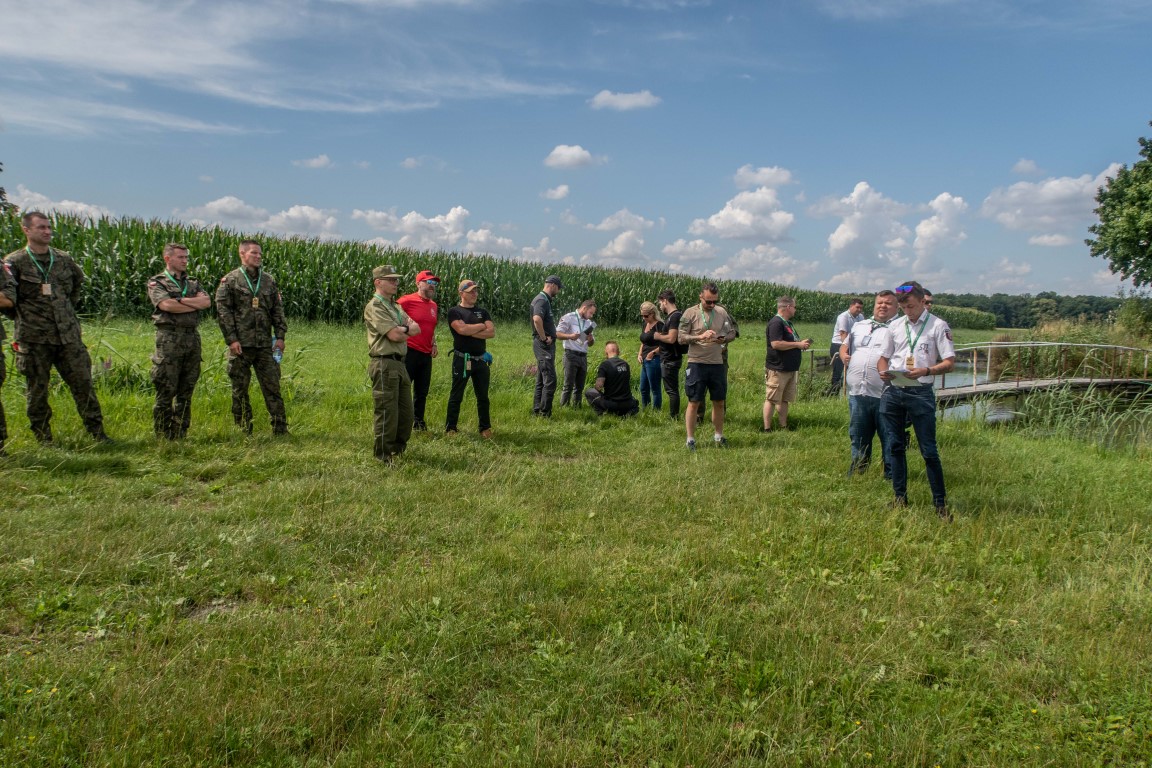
[(391, 305), (51, 262), (259, 277), (876, 323), (788, 325), (912, 342), (580, 322), (708, 318), (184, 292)]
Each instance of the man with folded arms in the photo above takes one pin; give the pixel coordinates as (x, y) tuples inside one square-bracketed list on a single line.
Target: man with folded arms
[(422, 308), (471, 327)]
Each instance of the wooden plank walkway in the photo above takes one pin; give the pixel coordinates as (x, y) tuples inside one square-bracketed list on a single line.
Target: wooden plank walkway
[(946, 396)]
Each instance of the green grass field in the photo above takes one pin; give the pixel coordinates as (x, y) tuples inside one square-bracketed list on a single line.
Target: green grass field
[(577, 592)]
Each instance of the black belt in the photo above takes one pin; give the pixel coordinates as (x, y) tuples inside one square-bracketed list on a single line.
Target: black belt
[(469, 355), (576, 352), (391, 357)]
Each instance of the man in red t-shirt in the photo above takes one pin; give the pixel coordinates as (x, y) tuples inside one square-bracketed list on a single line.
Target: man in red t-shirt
[(421, 347)]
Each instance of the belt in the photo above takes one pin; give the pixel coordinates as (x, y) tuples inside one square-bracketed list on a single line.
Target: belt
[(390, 357), (576, 352), (469, 356)]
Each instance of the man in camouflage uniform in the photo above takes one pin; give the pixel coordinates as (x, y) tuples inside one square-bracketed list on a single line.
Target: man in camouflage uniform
[(250, 313), (47, 329), (389, 329), (7, 305), (178, 300)]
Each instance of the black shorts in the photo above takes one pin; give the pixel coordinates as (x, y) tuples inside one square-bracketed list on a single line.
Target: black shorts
[(710, 377)]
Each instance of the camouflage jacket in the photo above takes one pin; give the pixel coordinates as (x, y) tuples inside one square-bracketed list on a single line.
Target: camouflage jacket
[(247, 318), (8, 290), (161, 287), (46, 318)]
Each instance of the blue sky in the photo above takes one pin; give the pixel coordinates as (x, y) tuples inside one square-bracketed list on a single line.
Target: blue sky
[(836, 144)]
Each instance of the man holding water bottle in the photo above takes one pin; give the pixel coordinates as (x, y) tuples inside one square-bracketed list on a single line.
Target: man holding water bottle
[(251, 317)]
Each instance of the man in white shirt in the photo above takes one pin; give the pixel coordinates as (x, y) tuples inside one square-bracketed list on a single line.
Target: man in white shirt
[(844, 322), (920, 348), (861, 355), (575, 330)]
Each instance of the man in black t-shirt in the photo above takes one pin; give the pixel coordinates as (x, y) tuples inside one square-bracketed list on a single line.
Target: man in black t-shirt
[(471, 326), (671, 351), (782, 362), (612, 392)]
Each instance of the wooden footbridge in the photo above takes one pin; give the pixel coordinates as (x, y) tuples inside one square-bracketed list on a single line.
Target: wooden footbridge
[(1011, 368)]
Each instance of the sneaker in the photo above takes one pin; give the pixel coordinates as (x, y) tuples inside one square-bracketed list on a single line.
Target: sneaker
[(486, 434), (692, 445), (720, 441), (900, 502), (943, 513), (419, 426)]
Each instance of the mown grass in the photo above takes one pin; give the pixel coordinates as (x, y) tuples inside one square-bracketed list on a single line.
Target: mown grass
[(574, 592)]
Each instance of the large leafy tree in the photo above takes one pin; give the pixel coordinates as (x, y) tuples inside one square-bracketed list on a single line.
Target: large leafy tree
[(1124, 234)]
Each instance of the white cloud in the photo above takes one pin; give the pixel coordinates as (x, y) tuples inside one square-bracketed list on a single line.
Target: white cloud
[(1025, 167), (767, 176), (1007, 276), (411, 162), (624, 101), (232, 212), (80, 115), (766, 262), (622, 219), (206, 179), (544, 252), (624, 250), (417, 231), (27, 200), (942, 228), (751, 215), (870, 232), (571, 156), (487, 241), (362, 164), (1056, 205), (570, 218), (556, 193), (1050, 241), (320, 161), (692, 251)]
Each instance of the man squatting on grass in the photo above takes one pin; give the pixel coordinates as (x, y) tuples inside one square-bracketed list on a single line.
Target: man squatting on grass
[(250, 313), (178, 301), (782, 362), (706, 328), (919, 348), (47, 283), (389, 329), (860, 355), (471, 327), (421, 348), (612, 390), (544, 346), (575, 330)]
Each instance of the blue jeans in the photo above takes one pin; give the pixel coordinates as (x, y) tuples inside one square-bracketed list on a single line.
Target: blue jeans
[(915, 405), (864, 423), (650, 383)]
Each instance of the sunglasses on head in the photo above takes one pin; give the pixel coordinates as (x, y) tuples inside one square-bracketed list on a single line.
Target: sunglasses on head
[(905, 288)]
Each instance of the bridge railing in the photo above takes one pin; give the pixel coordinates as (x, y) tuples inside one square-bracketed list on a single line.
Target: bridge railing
[(1029, 360)]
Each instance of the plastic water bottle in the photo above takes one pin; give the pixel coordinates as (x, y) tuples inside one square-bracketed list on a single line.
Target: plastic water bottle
[(277, 355)]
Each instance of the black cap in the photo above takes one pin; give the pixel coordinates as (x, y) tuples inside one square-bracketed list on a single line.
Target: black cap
[(554, 280)]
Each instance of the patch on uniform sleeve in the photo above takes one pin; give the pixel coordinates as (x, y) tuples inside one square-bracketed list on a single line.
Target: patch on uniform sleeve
[(7, 267), (153, 283), (948, 334)]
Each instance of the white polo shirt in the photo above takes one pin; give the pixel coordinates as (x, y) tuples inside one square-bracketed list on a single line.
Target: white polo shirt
[(844, 322), (866, 344), (931, 336)]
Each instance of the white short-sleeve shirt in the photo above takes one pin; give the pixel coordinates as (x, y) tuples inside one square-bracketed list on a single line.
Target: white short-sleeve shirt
[(933, 341)]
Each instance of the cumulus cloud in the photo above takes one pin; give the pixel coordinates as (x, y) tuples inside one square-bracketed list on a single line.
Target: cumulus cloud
[(320, 161), (1025, 167), (942, 228), (556, 193), (27, 200), (232, 212), (767, 176), (624, 250), (544, 252), (751, 215), (870, 232), (419, 232), (487, 241), (1051, 207), (623, 102), (571, 156), (1007, 276), (622, 219), (766, 262), (688, 251)]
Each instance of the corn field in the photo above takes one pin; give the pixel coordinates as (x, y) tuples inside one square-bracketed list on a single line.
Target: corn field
[(330, 281)]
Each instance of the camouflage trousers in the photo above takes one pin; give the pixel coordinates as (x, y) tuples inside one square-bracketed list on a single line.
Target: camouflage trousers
[(392, 406), (35, 362), (268, 375), (175, 371)]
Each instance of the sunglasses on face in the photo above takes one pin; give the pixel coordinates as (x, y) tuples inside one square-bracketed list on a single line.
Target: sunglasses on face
[(433, 283), (709, 302)]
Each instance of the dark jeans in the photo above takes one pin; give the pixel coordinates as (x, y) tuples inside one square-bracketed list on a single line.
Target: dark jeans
[(545, 376), (650, 375), (918, 405), (837, 371), (419, 365), (575, 377), (480, 375), (670, 377), (602, 405), (864, 423)]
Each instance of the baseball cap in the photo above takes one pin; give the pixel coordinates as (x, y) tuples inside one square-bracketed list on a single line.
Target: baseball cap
[(467, 285), (554, 280), (426, 274)]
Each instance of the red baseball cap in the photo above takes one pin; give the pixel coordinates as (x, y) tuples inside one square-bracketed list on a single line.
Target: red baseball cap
[(426, 275)]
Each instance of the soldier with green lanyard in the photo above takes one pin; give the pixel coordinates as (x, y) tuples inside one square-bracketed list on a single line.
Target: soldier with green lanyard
[(389, 328), (250, 313), (178, 300), (48, 285)]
